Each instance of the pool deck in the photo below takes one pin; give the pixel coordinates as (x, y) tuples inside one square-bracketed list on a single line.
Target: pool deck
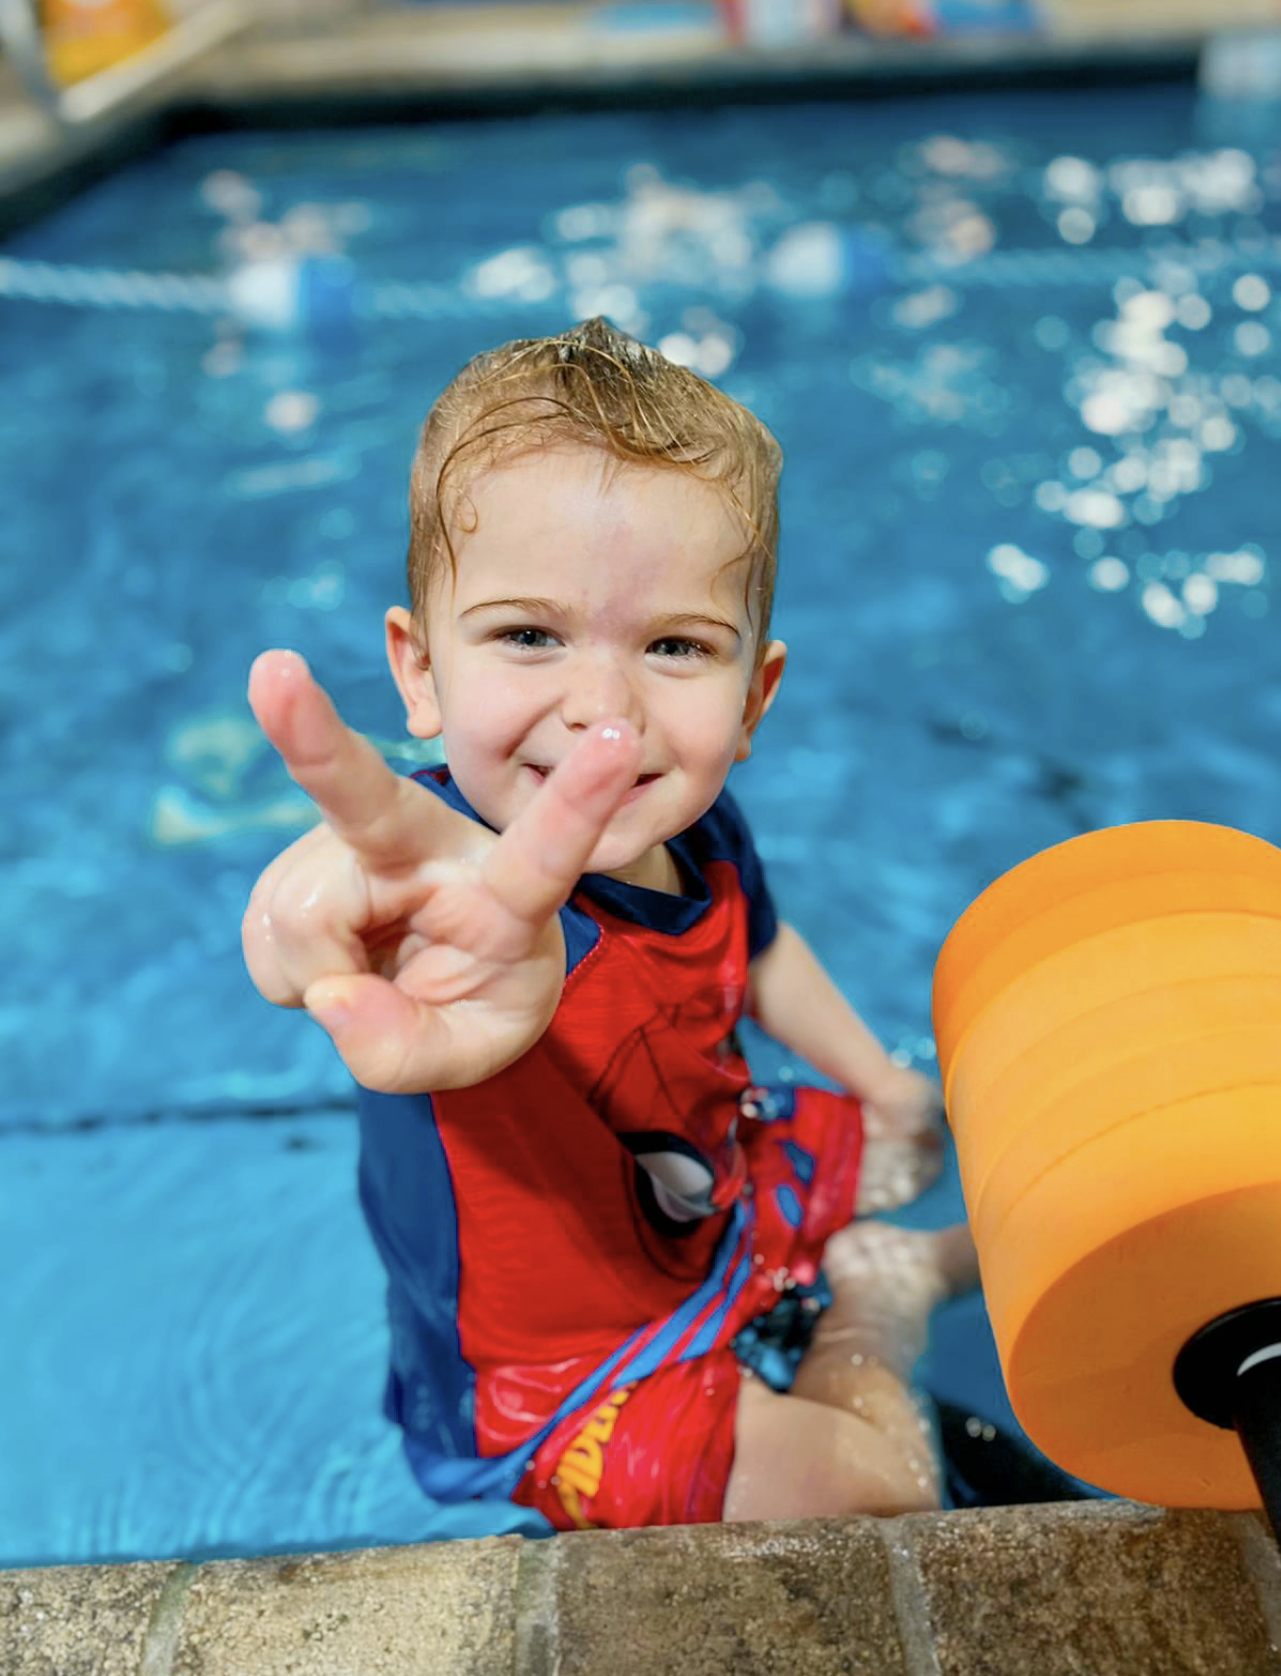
[(283, 62), (1105, 1587)]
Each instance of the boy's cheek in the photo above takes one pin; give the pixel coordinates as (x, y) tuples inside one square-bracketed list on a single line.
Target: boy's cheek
[(485, 722)]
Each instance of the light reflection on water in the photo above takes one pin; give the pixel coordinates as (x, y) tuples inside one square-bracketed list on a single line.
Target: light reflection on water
[(1025, 580)]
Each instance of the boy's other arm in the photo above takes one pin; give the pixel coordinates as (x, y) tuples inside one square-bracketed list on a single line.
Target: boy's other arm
[(792, 998), (429, 948)]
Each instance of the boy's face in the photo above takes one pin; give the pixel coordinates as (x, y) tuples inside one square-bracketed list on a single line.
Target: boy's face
[(588, 590)]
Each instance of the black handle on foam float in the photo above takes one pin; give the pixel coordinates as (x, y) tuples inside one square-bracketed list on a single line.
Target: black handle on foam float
[(1229, 1373), (1258, 1422)]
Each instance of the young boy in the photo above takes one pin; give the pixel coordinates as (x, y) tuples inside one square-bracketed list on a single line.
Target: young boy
[(602, 1241)]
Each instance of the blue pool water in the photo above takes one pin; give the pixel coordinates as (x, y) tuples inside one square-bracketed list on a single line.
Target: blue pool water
[(1028, 526)]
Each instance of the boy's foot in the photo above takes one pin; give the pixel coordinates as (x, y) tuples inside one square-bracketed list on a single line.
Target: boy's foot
[(896, 1170), (958, 1259), (887, 1282), (903, 1130)]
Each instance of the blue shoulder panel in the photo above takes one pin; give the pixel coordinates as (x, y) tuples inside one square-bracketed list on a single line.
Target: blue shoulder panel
[(726, 837)]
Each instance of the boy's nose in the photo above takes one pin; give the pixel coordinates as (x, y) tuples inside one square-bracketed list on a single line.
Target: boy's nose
[(597, 688)]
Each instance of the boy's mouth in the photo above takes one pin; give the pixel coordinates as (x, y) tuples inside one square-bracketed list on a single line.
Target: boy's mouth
[(642, 780)]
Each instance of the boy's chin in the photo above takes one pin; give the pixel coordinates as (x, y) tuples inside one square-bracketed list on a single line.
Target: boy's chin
[(610, 856), (651, 868)]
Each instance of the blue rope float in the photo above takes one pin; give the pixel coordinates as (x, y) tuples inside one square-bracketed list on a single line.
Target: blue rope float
[(316, 295), (1021, 269), (110, 288), (323, 295)]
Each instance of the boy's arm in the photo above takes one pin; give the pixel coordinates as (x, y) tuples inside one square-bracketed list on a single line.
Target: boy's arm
[(792, 998)]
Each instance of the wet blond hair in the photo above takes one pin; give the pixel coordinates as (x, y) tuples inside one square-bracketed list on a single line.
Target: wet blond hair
[(593, 387)]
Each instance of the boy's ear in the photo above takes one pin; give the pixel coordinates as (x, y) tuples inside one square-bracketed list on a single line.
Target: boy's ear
[(760, 695), (412, 675)]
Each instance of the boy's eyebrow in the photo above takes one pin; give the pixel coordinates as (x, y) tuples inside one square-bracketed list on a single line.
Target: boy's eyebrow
[(535, 606), (698, 619)]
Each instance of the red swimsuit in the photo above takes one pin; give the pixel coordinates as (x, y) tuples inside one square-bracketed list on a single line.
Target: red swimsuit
[(574, 1245)]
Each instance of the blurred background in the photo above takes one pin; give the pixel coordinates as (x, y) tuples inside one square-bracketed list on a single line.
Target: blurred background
[(1002, 277)]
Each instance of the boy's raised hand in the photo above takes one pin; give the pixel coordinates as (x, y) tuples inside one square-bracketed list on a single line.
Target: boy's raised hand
[(428, 947)]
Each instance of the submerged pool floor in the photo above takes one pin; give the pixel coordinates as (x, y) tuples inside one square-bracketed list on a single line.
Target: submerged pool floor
[(1020, 352)]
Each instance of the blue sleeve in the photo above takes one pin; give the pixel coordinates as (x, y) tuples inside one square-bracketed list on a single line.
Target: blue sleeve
[(732, 841)]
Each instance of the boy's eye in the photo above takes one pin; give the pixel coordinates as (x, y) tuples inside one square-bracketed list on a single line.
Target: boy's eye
[(528, 639), (675, 646)]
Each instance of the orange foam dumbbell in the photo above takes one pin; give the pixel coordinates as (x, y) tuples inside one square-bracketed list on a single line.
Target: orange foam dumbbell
[(1108, 1018)]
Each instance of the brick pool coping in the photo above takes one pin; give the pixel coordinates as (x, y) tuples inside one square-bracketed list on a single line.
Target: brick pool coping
[(1099, 1588)]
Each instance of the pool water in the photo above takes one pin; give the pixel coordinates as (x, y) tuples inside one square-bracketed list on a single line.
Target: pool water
[(1025, 578)]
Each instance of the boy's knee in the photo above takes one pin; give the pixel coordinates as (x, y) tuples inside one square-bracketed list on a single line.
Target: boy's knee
[(902, 1483), (919, 1492), (797, 1459)]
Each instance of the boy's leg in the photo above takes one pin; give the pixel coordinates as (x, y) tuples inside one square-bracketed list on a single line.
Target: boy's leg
[(795, 1459), (886, 1284), (850, 1437)]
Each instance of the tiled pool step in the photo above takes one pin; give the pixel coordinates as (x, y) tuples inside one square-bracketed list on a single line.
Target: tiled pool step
[(1111, 1589)]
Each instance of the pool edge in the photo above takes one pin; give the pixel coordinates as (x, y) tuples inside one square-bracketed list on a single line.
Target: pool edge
[(352, 77), (1117, 1586)]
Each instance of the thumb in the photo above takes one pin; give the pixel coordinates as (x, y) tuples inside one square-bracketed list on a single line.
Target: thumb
[(386, 1039)]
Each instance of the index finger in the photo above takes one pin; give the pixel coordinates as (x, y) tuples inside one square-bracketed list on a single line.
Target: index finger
[(371, 808), (535, 865)]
